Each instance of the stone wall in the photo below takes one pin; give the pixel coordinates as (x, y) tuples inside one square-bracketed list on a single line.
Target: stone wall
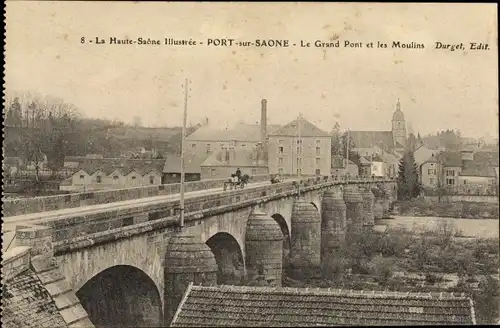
[(13, 207)]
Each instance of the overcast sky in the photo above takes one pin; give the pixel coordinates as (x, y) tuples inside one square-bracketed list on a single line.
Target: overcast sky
[(438, 89)]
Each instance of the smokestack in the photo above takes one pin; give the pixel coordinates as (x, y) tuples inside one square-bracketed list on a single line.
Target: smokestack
[(263, 127)]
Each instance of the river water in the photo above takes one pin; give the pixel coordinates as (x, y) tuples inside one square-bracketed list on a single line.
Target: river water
[(480, 228)]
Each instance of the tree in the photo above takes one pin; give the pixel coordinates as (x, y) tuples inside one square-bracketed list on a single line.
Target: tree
[(409, 186), (336, 140), (14, 114), (412, 142), (353, 154)]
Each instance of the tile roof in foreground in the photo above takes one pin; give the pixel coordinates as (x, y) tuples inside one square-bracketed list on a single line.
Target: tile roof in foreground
[(242, 306), (35, 294)]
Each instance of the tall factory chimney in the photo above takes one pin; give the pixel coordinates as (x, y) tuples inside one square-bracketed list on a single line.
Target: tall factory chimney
[(263, 128)]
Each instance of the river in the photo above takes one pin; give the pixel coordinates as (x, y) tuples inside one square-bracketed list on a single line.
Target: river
[(480, 228)]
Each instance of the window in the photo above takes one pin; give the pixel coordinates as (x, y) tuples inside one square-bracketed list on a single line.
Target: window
[(227, 156), (213, 172), (299, 141), (254, 171), (221, 145), (450, 181), (298, 161), (133, 177), (152, 180), (298, 150), (99, 179), (431, 171), (280, 141), (280, 160), (209, 148), (82, 176), (450, 173), (318, 142), (318, 160), (318, 172), (280, 170), (115, 177), (193, 145), (243, 145), (280, 150), (318, 151), (465, 181), (431, 181)]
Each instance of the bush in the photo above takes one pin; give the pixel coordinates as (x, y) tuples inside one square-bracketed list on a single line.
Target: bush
[(381, 267), (432, 278)]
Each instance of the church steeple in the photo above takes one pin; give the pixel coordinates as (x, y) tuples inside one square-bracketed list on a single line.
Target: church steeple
[(398, 126)]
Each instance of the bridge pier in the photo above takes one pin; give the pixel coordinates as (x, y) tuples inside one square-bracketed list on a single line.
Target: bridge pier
[(187, 260), (264, 248), (354, 210), (368, 200), (333, 229), (305, 250)]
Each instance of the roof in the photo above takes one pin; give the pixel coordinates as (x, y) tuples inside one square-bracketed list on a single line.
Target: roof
[(369, 139), (26, 303), (423, 153), (451, 158), (239, 132), (192, 164), (240, 157), (109, 165), (232, 306), (487, 158), (478, 171), (307, 129), (398, 115)]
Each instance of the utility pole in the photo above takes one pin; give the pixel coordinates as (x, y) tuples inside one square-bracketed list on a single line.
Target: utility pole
[(299, 150), (347, 155), (186, 90)]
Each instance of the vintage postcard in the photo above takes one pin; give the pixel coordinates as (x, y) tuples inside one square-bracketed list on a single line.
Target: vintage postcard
[(249, 164)]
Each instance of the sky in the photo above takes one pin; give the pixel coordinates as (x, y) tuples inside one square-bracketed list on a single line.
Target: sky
[(359, 88)]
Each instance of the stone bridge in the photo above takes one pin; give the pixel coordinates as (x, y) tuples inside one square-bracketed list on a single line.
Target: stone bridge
[(129, 262)]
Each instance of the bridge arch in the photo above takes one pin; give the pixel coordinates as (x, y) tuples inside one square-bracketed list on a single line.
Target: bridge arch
[(229, 258), (122, 296), (286, 238)]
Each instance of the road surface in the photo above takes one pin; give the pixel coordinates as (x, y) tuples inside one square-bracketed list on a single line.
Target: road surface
[(10, 223)]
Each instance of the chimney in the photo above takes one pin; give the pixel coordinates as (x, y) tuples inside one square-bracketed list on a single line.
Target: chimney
[(263, 127)]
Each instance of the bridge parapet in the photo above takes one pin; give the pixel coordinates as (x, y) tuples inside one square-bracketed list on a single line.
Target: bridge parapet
[(12, 207)]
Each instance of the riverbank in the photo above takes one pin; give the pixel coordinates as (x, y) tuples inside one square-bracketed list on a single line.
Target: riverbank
[(464, 210)]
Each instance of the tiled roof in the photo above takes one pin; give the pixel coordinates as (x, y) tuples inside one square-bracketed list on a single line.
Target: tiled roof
[(26, 303), (109, 165), (239, 157), (368, 139), (307, 129), (192, 164), (233, 306), (239, 132)]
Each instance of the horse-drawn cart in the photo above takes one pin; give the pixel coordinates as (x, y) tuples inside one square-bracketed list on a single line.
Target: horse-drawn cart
[(234, 182)]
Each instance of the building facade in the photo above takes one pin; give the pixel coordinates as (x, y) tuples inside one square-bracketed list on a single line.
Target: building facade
[(225, 162), (299, 147)]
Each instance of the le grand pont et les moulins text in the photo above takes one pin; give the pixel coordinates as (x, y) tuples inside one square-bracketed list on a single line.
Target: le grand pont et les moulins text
[(283, 43)]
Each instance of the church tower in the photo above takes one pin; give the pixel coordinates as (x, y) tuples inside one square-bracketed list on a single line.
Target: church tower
[(398, 127)]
